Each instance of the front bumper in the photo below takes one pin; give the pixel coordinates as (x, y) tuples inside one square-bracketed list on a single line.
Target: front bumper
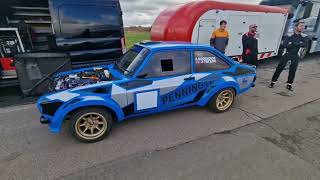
[(53, 122), (44, 120), (51, 114)]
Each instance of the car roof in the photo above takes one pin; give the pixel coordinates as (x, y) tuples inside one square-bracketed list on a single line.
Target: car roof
[(157, 45)]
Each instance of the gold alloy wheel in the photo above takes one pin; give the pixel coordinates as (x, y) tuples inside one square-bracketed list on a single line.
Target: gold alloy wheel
[(91, 126), (225, 100)]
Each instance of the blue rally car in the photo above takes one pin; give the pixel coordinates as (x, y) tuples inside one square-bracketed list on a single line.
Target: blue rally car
[(151, 77)]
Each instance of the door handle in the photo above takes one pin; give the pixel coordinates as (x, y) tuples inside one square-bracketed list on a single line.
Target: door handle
[(189, 78)]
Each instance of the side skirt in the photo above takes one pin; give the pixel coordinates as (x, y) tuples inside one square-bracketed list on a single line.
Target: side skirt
[(159, 111)]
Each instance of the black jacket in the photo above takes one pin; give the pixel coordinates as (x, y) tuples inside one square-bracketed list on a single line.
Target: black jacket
[(294, 42), (251, 43)]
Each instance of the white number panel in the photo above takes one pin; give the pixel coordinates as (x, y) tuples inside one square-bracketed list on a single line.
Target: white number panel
[(147, 100)]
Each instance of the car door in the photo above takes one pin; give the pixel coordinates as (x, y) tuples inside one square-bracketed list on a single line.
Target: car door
[(164, 76), (208, 70)]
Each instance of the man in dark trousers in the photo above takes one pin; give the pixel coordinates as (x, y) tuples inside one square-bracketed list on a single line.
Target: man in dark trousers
[(250, 46), (293, 44)]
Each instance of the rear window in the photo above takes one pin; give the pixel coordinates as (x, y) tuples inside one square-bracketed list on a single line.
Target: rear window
[(88, 20)]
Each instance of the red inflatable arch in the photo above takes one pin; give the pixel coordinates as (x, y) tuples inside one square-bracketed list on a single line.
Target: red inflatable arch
[(177, 23)]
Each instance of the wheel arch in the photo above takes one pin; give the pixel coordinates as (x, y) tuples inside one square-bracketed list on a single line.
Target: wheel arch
[(72, 112), (216, 90), (212, 103), (64, 113)]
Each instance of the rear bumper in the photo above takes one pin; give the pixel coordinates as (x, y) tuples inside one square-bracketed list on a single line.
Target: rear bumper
[(254, 81)]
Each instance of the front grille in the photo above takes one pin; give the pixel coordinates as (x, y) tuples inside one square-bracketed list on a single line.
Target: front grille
[(50, 108)]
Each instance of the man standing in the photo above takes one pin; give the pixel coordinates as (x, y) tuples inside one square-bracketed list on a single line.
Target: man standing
[(250, 46), (292, 44), (220, 37)]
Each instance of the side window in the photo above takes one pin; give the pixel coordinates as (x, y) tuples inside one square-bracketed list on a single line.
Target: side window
[(206, 61), (168, 64)]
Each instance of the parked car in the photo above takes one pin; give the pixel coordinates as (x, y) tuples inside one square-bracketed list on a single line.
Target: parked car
[(151, 77)]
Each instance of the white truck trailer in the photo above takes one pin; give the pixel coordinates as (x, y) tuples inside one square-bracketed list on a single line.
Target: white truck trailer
[(195, 21)]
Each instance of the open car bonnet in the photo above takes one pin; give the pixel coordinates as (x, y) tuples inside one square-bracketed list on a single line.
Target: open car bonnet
[(82, 77)]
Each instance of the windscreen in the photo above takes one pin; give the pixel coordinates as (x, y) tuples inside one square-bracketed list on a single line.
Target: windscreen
[(132, 60)]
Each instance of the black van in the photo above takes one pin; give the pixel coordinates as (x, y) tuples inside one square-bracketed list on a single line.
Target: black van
[(91, 31)]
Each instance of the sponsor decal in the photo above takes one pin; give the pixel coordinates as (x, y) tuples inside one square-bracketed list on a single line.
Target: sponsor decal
[(206, 60), (245, 82), (63, 96), (185, 91), (228, 79)]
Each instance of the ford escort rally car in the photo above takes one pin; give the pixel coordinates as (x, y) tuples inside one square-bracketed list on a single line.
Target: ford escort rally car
[(151, 77)]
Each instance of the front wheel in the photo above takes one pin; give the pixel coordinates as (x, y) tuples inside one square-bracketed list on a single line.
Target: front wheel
[(222, 101), (91, 124)]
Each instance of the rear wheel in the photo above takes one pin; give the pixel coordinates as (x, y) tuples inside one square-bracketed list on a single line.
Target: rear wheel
[(222, 101), (91, 124)]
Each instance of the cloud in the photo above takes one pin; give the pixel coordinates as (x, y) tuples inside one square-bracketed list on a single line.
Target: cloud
[(144, 12)]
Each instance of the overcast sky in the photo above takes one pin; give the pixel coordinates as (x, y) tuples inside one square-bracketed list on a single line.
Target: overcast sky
[(143, 12)]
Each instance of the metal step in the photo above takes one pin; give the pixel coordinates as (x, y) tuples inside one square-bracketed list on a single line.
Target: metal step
[(38, 19), (9, 82), (29, 22), (30, 18), (30, 8), (9, 74), (42, 30), (41, 39), (31, 14), (39, 47)]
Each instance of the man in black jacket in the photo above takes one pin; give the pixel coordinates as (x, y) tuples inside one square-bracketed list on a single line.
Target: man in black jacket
[(293, 44), (250, 46)]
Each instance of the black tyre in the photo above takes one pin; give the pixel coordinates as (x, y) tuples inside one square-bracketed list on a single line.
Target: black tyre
[(222, 101), (91, 125)]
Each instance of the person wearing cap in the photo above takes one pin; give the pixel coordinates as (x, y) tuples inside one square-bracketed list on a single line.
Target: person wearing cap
[(220, 37), (250, 46), (293, 45)]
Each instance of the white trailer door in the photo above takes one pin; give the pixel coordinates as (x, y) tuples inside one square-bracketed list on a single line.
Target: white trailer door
[(206, 27), (270, 30), (239, 25)]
